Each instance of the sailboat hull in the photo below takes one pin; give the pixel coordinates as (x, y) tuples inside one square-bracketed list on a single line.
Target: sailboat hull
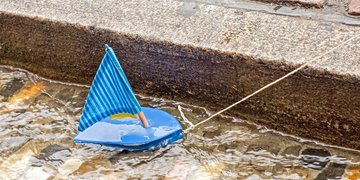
[(129, 134)]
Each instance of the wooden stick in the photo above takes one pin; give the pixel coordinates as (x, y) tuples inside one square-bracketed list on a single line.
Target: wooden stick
[(143, 119)]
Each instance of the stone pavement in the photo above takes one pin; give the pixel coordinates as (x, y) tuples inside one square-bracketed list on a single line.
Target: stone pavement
[(354, 7), (205, 52), (304, 3)]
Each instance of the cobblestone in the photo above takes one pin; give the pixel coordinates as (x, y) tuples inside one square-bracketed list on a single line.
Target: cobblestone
[(304, 3), (354, 7)]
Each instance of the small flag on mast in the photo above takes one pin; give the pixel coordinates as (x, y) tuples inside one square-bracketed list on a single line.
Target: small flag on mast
[(110, 93)]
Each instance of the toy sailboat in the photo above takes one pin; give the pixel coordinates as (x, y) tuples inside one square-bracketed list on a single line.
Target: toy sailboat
[(111, 114)]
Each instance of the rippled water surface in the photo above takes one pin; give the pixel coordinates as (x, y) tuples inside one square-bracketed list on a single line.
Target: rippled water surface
[(38, 120)]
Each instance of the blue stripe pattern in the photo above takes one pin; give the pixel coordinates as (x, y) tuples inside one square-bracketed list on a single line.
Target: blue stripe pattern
[(110, 93)]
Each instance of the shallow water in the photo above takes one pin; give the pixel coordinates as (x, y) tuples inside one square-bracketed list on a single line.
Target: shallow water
[(38, 119)]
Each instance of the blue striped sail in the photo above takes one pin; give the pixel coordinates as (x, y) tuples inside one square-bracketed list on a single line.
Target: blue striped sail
[(110, 93)]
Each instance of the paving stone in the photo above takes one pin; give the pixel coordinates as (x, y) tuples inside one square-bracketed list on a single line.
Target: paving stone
[(354, 8), (304, 3), (292, 150), (352, 172), (315, 158), (11, 87), (65, 94), (311, 3), (53, 154), (332, 171)]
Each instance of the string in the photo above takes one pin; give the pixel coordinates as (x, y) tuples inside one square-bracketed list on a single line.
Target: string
[(184, 118), (270, 84)]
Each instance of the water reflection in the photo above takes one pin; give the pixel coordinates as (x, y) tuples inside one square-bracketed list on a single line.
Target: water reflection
[(38, 120)]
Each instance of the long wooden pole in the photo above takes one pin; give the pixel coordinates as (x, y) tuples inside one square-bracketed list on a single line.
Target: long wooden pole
[(143, 119)]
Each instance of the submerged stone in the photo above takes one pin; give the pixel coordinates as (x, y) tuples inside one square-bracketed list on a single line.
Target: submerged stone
[(315, 158), (11, 87), (332, 171)]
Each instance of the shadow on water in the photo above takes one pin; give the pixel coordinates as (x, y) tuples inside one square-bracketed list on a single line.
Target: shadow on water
[(38, 119)]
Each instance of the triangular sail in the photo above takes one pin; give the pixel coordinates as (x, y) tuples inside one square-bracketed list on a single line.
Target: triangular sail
[(110, 93)]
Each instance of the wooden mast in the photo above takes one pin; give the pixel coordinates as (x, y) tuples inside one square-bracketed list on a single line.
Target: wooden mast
[(143, 119)]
